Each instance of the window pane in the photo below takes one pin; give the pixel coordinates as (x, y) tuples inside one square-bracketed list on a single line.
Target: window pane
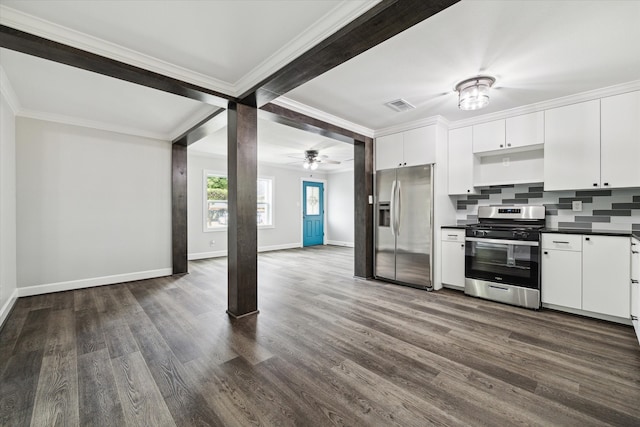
[(217, 208), (313, 201), (265, 202)]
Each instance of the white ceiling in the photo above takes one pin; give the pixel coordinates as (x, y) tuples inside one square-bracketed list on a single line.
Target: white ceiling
[(225, 45), (283, 145), (58, 92), (538, 50)]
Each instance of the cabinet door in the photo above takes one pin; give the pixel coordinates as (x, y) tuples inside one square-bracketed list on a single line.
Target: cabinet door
[(461, 161), (420, 146), (572, 147), (606, 275), (489, 136), (453, 263), (561, 278), (620, 152), (389, 151), (525, 130), (635, 278)]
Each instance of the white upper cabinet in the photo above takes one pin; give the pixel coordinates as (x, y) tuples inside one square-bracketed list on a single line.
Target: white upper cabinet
[(620, 139), (526, 130), (410, 148), (489, 136), (461, 161), (389, 151), (515, 134), (572, 147), (420, 146)]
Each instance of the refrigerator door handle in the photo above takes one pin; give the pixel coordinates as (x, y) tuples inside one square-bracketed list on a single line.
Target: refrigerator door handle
[(392, 208), (398, 207)]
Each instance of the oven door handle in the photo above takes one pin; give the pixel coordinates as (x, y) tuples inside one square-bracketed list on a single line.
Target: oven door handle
[(503, 241)]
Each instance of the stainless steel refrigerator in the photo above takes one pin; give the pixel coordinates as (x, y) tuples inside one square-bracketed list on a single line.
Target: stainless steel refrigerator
[(403, 247)]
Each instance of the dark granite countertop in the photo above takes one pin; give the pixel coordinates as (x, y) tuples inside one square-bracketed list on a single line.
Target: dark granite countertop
[(459, 226), (635, 233)]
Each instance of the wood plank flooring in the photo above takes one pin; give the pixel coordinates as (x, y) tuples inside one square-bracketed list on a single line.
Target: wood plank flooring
[(326, 349)]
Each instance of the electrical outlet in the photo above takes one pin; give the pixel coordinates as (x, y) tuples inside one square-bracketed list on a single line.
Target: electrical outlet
[(212, 243), (505, 161), (576, 205)]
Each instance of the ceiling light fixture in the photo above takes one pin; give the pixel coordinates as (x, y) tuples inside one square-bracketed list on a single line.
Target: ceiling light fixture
[(473, 93), (311, 160)]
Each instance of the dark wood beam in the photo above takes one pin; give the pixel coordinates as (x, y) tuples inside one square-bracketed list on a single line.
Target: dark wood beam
[(179, 208), (199, 131), (363, 210), (242, 161), (17, 40), (383, 21), (301, 121)]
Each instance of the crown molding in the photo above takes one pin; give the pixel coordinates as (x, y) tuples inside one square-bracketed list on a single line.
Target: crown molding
[(92, 124), (552, 103), (58, 33), (7, 91), (433, 120), (321, 115), (327, 25)]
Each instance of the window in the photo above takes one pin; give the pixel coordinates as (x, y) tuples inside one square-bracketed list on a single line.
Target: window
[(265, 199), (216, 207)]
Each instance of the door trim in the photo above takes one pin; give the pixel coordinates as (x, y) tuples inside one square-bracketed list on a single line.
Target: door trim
[(324, 207)]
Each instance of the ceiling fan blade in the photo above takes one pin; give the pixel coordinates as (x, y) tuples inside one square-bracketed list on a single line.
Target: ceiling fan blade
[(331, 162), (296, 156)]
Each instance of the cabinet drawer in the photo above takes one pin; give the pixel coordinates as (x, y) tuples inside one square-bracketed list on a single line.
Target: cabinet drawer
[(452, 235), (563, 242)]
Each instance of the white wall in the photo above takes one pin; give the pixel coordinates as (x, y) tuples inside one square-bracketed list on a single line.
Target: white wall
[(287, 189), (94, 207), (340, 209), (8, 292)]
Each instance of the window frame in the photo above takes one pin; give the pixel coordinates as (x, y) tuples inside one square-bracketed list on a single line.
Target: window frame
[(205, 202)]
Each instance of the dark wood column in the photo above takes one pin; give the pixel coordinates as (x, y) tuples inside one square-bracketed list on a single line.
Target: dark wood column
[(363, 212), (179, 208), (243, 231)]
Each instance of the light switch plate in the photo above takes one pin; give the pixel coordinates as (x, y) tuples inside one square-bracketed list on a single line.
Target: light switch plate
[(576, 205)]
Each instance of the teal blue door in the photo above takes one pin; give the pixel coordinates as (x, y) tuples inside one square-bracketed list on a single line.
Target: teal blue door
[(312, 213)]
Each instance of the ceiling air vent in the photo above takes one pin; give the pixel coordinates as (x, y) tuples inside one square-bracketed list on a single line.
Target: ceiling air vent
[(399, 105)]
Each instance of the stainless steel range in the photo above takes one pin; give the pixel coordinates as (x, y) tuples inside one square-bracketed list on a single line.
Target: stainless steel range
[(502, 255)]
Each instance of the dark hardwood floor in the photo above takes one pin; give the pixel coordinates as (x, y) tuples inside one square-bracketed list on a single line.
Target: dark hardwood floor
[(326, 349)]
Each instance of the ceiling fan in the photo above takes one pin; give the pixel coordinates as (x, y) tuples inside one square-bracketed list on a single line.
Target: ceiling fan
[(312, 159)]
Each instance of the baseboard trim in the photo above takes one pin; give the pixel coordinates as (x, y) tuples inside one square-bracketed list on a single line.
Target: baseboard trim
[(585, 313), (279, 247), (7, 307), (216, 254), (204, 255), (91, 282), (339, 243)]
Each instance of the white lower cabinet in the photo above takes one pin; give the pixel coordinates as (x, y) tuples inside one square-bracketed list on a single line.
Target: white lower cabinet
[(562, 278), (635, 284), (606, 275), (453, 257), (587, 272)]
